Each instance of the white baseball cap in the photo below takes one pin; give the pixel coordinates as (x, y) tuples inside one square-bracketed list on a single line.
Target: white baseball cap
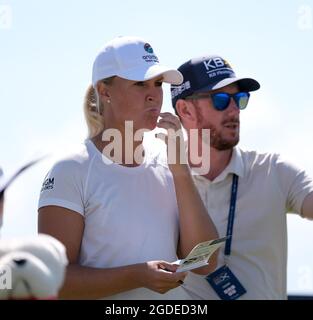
[(131, 58)]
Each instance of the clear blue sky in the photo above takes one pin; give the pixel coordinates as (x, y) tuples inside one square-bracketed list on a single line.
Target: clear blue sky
[(47, 48)]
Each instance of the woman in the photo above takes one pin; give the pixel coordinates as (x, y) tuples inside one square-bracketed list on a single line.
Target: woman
[(113, 204)]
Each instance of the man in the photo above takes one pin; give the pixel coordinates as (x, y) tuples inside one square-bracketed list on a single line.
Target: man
[(246, 194)]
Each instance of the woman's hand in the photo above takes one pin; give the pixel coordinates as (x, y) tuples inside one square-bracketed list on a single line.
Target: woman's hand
[(174, 139), (160, 276)]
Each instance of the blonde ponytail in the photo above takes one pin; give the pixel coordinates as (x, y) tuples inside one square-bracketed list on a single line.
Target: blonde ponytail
[(93, 110)]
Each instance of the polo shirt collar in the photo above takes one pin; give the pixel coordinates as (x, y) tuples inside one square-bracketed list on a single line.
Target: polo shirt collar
[(235, 166)]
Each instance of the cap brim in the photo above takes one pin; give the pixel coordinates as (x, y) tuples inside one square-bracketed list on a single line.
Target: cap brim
[(171, 76), (245, 84)]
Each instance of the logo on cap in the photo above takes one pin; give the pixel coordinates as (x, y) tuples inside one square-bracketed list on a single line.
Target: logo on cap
[(216, 63), (177, 90), (151, 57), (148, 48), (216, 67)]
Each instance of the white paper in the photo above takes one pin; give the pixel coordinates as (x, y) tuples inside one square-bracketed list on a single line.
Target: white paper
[(199, 255)]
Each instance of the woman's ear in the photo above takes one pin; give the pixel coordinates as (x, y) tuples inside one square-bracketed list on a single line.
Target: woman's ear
[(103, 91), (187, 113)]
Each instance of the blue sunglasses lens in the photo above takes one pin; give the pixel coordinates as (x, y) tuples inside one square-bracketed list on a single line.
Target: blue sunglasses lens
[(241, 99), (221, 100)]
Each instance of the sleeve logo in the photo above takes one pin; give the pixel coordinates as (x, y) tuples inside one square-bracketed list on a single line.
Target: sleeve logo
[(48, 184)]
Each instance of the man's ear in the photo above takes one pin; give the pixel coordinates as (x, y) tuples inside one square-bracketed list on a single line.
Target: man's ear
[(187, 113)]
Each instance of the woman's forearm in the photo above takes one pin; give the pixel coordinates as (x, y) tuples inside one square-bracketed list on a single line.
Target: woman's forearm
[(195, 222), (93, 283)]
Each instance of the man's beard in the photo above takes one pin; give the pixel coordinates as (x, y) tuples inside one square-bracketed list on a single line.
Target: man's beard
[(216, 140)]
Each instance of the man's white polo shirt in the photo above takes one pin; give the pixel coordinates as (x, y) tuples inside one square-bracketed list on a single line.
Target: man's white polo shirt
[(268, 188)]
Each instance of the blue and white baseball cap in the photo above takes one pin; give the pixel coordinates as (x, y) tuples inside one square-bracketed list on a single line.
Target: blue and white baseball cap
[(208, 73), (131, 58)]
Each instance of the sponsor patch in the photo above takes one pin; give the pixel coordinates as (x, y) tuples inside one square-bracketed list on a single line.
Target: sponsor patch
[(177, 90), (48, 184)]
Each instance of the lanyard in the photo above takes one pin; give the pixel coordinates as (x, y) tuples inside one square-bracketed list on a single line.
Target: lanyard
[(231, 215)]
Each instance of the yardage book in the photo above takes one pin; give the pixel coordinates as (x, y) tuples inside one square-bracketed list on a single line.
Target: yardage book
[(199, 255)]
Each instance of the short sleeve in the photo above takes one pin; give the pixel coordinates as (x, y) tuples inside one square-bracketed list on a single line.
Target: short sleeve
[(63, 187), (295, 183)]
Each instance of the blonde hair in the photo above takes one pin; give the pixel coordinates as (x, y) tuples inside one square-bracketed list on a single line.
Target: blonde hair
[(93, 110)]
